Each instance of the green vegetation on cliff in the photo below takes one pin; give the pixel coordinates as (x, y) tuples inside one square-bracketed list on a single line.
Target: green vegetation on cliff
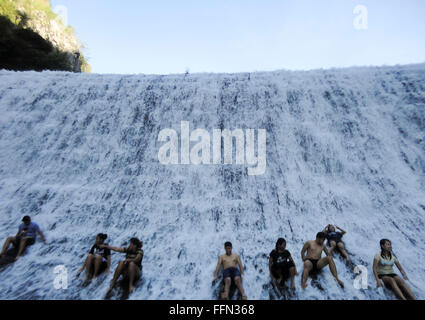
[(29, 41)]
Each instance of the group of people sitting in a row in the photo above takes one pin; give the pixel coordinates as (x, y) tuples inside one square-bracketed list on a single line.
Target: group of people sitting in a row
[(98, 259), (281, 264)]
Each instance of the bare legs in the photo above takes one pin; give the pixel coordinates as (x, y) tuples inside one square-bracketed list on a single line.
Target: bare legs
[(344, 253), (21, 246), (97, 265), (238, 283), (88, 264), (133, 272), (398, 285), (341, 248), (227, 284), (333, 246), (6, 244), (308, 266), (329, 260), (292, 274), (117, 274)]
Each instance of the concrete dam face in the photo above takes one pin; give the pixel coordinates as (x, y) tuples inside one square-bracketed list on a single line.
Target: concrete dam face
[(187, 162)]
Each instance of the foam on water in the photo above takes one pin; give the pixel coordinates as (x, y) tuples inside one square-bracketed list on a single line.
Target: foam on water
[(78, 153)]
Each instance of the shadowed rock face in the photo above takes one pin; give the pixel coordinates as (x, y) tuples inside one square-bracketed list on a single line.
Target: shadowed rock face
[(79, 153), (35, 18)]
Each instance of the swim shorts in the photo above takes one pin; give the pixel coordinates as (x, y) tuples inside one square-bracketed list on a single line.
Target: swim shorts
[(231, 272)]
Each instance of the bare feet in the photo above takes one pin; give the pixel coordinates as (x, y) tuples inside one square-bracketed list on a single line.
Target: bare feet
[(304, 285), (244, 297), (293, 285), (340, 283), (131, 289), (225, 296)]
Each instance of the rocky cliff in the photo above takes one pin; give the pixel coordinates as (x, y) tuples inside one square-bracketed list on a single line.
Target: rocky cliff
[(38, 16)]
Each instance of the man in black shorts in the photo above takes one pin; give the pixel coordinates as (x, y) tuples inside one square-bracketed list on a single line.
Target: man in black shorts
[(98, 259), (311, 254), (281, 264)]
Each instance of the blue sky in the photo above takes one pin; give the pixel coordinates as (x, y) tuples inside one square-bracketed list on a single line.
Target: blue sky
[(165, 36)]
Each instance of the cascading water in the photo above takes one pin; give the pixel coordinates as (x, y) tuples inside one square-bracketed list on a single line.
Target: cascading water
[(79, 154)]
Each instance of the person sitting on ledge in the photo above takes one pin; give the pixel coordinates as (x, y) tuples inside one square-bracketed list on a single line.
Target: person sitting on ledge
[(26, 236), (131, 267), (98, 259), (383, 270), (335, 240), (313, 261), (230, 261), (281, 264)]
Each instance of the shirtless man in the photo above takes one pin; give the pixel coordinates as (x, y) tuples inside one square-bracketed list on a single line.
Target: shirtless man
[(230, 272), (313, 261)]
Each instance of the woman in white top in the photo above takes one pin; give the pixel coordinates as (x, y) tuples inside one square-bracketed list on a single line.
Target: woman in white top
[(383, 269)]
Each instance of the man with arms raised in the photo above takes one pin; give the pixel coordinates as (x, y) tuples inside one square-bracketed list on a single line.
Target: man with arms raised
[(313, 261), (230, 261)]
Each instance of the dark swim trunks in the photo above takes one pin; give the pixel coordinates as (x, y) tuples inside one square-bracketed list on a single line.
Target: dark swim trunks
[(314, 262), (391, 275), (231, 272), (30, 241)]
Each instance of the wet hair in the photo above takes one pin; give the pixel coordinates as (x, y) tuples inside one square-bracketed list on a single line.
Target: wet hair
[(320, 235), (279, 242), (136, 242), (228, 244), (102, 236), (26, 218), (383, 255)]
